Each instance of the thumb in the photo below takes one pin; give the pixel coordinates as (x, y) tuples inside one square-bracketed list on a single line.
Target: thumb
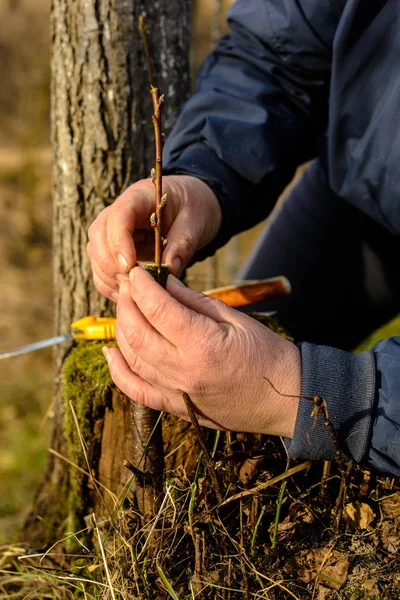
[(181, 245), (201, 303)]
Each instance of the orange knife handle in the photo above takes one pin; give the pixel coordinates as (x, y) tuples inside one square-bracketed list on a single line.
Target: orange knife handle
[(250, 293)]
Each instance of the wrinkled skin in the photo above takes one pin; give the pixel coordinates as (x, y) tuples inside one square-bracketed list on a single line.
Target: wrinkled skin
[(122, 234), (178, 339), (181, 340)]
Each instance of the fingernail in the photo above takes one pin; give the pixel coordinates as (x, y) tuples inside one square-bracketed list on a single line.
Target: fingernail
[(176, 265), (123, 264), (175, 280), (107, 354), (131, 275), (114, 296)]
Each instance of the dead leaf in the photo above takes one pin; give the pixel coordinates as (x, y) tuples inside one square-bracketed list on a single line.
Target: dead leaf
[(249, 470), (335, 575), (323, 592), (328, 566), (391, 506), (359, 514), (299, 512), (371, 587), (390, 535), (299, 515)]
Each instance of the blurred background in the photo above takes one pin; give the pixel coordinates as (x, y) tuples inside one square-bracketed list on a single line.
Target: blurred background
[(25, 241), (25, 252)]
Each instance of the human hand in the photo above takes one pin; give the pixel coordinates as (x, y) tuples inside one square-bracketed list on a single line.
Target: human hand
[(178, 340), (122, 233)]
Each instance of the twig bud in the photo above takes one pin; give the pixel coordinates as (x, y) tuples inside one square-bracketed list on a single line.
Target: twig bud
[(153, 174), (161, 100), (164, 242), (163, 201), (153, 220)]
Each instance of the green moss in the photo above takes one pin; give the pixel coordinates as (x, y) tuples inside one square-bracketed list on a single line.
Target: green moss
[(86, 382), (390, 329)]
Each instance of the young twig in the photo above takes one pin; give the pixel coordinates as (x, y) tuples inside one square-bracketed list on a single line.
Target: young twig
[(156, 172), (156, 176), (143, 479), (206, 455), (320, 407)]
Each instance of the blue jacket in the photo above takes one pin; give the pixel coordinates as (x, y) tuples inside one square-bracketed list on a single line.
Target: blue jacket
[(296, 79)]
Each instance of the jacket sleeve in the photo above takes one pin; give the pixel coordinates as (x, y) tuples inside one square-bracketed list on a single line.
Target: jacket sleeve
[(362, 393), (260, 107)]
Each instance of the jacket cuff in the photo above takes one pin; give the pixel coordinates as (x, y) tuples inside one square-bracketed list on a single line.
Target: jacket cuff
[(347, 383), (202, 162)]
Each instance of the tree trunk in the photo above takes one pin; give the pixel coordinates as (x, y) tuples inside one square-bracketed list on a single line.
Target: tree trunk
[(102, 141)]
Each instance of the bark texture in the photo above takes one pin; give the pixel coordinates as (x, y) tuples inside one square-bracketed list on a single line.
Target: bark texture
[(103, 141)]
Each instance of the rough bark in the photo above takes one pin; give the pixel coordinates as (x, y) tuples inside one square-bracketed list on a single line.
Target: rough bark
[(103, 141)]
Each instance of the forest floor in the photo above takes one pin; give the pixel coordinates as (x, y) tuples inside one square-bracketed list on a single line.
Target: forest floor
[(280, 540), (266, 530)]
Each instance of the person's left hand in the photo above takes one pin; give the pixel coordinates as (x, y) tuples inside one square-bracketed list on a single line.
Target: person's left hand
[(178, 340)]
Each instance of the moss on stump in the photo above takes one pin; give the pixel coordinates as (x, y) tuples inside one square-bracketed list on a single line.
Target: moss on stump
[(86, 383)]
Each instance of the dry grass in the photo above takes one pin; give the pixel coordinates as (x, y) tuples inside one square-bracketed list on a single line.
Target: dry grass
[(275, 541)]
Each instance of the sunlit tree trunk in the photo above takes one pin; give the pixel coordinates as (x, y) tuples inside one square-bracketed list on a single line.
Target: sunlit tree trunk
[(102, 141)]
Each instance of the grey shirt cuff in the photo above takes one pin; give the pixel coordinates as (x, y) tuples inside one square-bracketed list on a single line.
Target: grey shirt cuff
[(346, 381)]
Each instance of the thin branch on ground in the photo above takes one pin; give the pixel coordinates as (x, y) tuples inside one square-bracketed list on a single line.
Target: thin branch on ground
[(206, 455)]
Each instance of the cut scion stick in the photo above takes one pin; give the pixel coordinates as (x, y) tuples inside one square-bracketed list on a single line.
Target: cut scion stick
[(156, 172), (206, 455), (156, 176)]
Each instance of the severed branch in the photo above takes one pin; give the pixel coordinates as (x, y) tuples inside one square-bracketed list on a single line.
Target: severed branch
[(156, 176), (156, 172), (147, 442), (143, 479), (320, 406), (206, 455)]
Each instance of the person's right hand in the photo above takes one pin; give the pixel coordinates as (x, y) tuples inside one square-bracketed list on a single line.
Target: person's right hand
[(122, 233)]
